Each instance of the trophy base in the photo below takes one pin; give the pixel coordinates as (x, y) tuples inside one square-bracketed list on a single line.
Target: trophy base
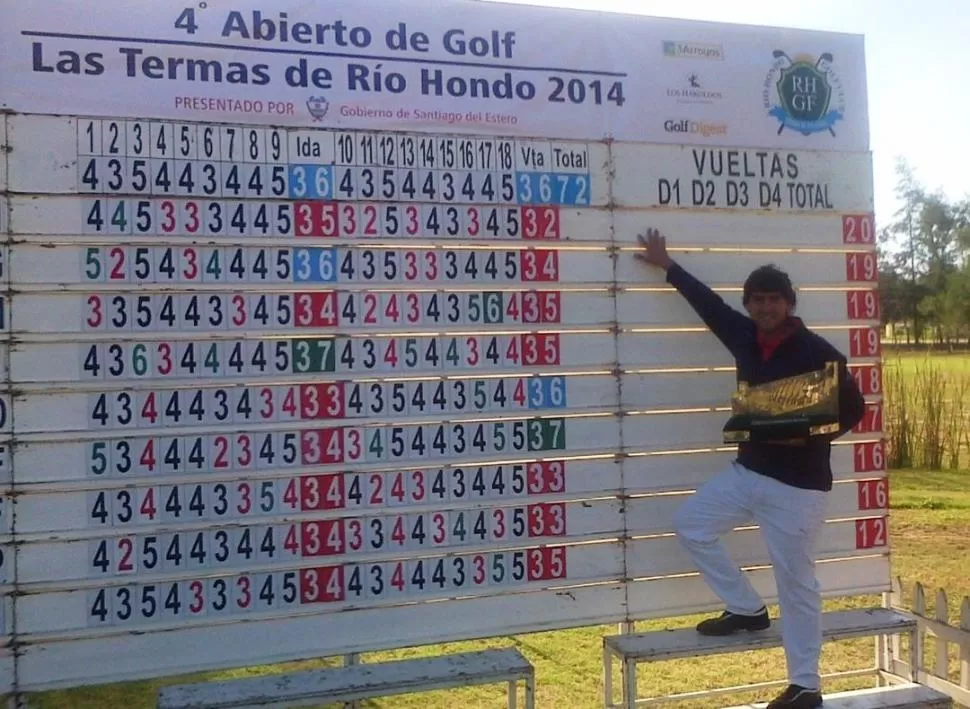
[(776, 429)]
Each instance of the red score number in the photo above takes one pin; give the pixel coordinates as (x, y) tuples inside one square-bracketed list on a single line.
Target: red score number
[(546, 477), (869, 378), (858, 229), (864, 342), (322, 401), (547, 563), (539, 265), (869, 457), (870, 533), (862, 304), (540, 223), (872, 420), (874, 494), (323, 584), (861, 266), (316, 309)]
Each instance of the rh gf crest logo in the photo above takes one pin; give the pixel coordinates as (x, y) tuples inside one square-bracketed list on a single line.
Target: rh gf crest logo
[(804, 93)]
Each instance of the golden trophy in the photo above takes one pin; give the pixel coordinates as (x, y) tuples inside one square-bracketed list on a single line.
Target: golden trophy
[(794, 407)]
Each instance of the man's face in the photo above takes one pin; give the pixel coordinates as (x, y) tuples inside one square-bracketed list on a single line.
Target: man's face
[(768, 310)]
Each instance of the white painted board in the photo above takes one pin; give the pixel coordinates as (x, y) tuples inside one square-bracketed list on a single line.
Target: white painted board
[(48, 509), (117, 165), (673, 470), (149, 218), (703, 428), (157, 260), (3, 168), (859, 342), (731, 268), (701, 177), (619, 76), (666, 556), (127, 359), (654, 514), (248, 643), (203, 545), (324, 448), (689, 594), (856, 307), (305, 310), (727, 228), (321, 589), (65, 266), (211, 404)]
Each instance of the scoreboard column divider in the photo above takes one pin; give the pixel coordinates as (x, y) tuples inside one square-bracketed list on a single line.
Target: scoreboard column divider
[(16, 699), (610, 171)]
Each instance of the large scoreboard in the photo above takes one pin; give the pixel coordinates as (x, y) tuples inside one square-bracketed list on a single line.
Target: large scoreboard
[(321, 332)]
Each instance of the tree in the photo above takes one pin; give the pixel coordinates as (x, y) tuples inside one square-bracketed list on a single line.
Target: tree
[(931, 237), (902, 230)]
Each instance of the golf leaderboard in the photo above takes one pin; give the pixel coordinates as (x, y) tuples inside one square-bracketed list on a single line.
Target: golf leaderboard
[(324, 336)]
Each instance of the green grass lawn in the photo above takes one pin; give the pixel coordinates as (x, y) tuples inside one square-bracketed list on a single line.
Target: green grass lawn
[(910, 362), (930, 536)]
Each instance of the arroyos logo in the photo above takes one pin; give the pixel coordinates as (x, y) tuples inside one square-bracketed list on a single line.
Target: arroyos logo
[(804, 93)]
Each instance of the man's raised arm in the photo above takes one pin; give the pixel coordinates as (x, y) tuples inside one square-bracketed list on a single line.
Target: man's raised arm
[(729, 325)]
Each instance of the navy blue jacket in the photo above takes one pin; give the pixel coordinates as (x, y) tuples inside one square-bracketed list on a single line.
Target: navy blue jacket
[(807, 466)]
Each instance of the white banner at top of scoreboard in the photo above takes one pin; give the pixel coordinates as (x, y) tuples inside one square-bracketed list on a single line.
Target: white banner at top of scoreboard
[(460, 67)]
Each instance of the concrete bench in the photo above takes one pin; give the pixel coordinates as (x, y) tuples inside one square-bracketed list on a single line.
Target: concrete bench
[(634, 648), (355, 682), (903, 696)]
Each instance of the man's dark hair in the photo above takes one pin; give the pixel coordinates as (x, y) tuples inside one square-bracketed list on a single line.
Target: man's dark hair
[(769, 279)]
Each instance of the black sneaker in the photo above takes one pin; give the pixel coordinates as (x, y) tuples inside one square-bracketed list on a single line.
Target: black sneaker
[(796, 697), (728, 623)]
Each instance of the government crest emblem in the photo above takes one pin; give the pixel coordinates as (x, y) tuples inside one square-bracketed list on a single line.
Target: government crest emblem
[(318, 107)]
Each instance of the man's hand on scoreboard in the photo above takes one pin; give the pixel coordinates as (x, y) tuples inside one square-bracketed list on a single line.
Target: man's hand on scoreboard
[(654, 252)]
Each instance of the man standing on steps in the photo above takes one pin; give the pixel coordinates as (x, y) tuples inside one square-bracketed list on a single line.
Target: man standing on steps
[(781, 485)]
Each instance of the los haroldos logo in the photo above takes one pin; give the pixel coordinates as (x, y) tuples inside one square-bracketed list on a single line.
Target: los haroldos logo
[(804, 93)]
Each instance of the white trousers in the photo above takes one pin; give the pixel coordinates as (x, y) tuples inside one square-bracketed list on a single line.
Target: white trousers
[(790, 519)]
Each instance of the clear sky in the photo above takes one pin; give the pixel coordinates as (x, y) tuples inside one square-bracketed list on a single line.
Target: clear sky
[(918, 70)]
